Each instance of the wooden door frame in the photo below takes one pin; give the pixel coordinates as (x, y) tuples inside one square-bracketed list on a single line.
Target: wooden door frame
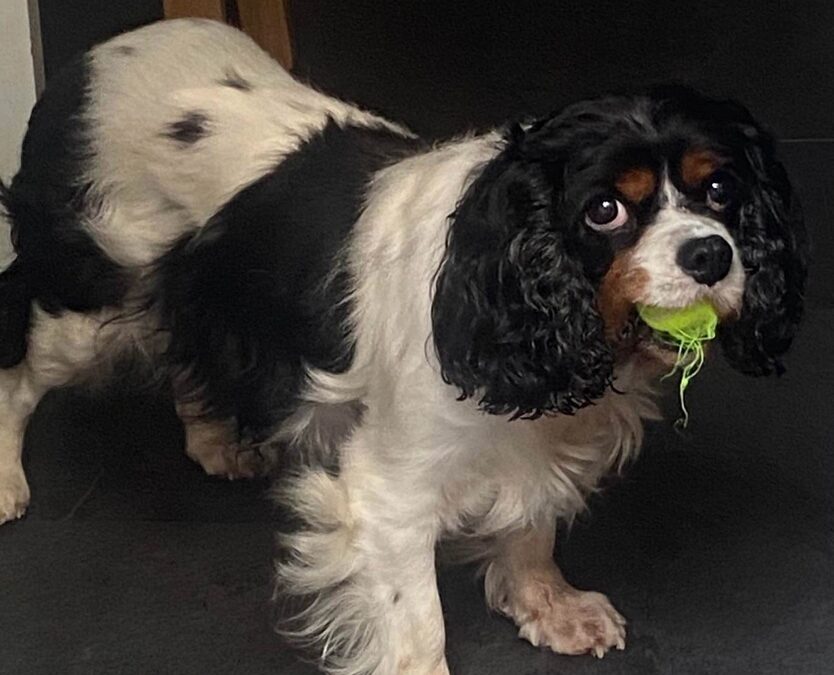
[(266, 21)]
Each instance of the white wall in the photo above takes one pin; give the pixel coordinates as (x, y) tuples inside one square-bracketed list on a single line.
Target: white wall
[(17, 81), (17, 94)]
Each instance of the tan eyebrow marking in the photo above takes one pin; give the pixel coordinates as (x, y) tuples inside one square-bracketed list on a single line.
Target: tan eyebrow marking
[(636, 184), (697, 164)]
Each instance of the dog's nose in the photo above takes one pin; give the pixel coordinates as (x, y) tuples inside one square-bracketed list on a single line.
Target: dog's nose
[(707, 260)]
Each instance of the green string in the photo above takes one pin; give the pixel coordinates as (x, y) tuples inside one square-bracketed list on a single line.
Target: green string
[(690, 360), (690, 327)]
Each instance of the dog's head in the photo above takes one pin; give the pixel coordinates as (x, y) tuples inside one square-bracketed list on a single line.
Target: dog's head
[(663, 199)]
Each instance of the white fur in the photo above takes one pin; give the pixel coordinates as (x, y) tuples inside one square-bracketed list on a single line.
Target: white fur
[(61, 349), (416, 465), (422, 465), (669, 285), (154, 191)]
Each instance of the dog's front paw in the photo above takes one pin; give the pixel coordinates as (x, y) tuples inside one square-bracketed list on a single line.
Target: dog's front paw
[(573, 622), (14, 495)]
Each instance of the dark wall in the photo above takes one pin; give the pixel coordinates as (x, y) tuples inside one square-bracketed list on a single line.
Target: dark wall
[(446, 66), (443, 65), (69, 27)]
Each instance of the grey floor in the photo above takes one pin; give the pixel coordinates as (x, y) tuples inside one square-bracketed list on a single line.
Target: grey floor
[(718, 546)]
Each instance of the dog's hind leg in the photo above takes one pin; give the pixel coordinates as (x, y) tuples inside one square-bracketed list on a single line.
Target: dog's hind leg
[(59, 348), (18, 398), (215, 445)]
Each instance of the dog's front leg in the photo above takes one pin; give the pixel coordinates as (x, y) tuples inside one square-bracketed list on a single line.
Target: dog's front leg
[(362, 567), (524, 583)]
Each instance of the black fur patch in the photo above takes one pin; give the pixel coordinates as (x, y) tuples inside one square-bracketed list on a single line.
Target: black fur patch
[(774, 251), (125, 50), (58, 262), (192, 127), (514, 314), (235, 80), (260, 290), (15, 306)]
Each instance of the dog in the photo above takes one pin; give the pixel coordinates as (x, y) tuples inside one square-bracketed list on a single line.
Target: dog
[(434, 341)]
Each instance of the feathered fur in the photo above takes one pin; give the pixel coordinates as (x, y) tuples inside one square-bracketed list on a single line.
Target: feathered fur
[(438, 342)]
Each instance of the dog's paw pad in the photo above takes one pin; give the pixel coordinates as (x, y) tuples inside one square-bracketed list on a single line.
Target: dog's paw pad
[(575, 623)]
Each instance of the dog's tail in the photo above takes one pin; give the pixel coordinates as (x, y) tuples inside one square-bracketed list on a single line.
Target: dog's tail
[(15, 296)]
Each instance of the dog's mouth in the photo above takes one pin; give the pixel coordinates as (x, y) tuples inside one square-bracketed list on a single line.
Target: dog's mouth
[(635, 335)]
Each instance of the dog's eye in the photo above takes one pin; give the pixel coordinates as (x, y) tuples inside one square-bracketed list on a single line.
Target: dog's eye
[(605, 214), (720, 188)]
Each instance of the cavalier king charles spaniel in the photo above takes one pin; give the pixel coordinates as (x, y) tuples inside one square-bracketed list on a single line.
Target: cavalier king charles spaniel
[(431, 341)]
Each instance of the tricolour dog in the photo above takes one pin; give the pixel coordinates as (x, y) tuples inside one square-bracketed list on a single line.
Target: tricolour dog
[(438, 341)]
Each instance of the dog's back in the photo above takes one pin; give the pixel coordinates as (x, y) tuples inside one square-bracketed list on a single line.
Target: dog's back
[(134, 147), (180, 192), (98, 194)]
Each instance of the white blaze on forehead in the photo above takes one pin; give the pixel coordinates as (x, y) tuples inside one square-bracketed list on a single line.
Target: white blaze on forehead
[(670, 196)]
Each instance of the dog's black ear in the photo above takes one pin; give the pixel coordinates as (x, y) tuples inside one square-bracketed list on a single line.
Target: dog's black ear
[(772, 241), (514, 316)]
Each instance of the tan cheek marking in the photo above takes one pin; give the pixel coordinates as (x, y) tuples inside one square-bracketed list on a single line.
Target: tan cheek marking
[(618, 292), (637, 184), (697, 164)]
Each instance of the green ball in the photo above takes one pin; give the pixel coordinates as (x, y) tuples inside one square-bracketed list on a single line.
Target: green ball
[(684, 324)]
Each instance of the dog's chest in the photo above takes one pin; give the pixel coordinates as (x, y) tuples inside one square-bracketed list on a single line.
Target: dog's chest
[(527, 469)]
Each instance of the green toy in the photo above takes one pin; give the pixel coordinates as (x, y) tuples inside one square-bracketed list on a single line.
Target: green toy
[(689, 327)]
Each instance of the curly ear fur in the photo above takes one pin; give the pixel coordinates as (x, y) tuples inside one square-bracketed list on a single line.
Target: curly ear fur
[(772, 241), (514, 317)]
